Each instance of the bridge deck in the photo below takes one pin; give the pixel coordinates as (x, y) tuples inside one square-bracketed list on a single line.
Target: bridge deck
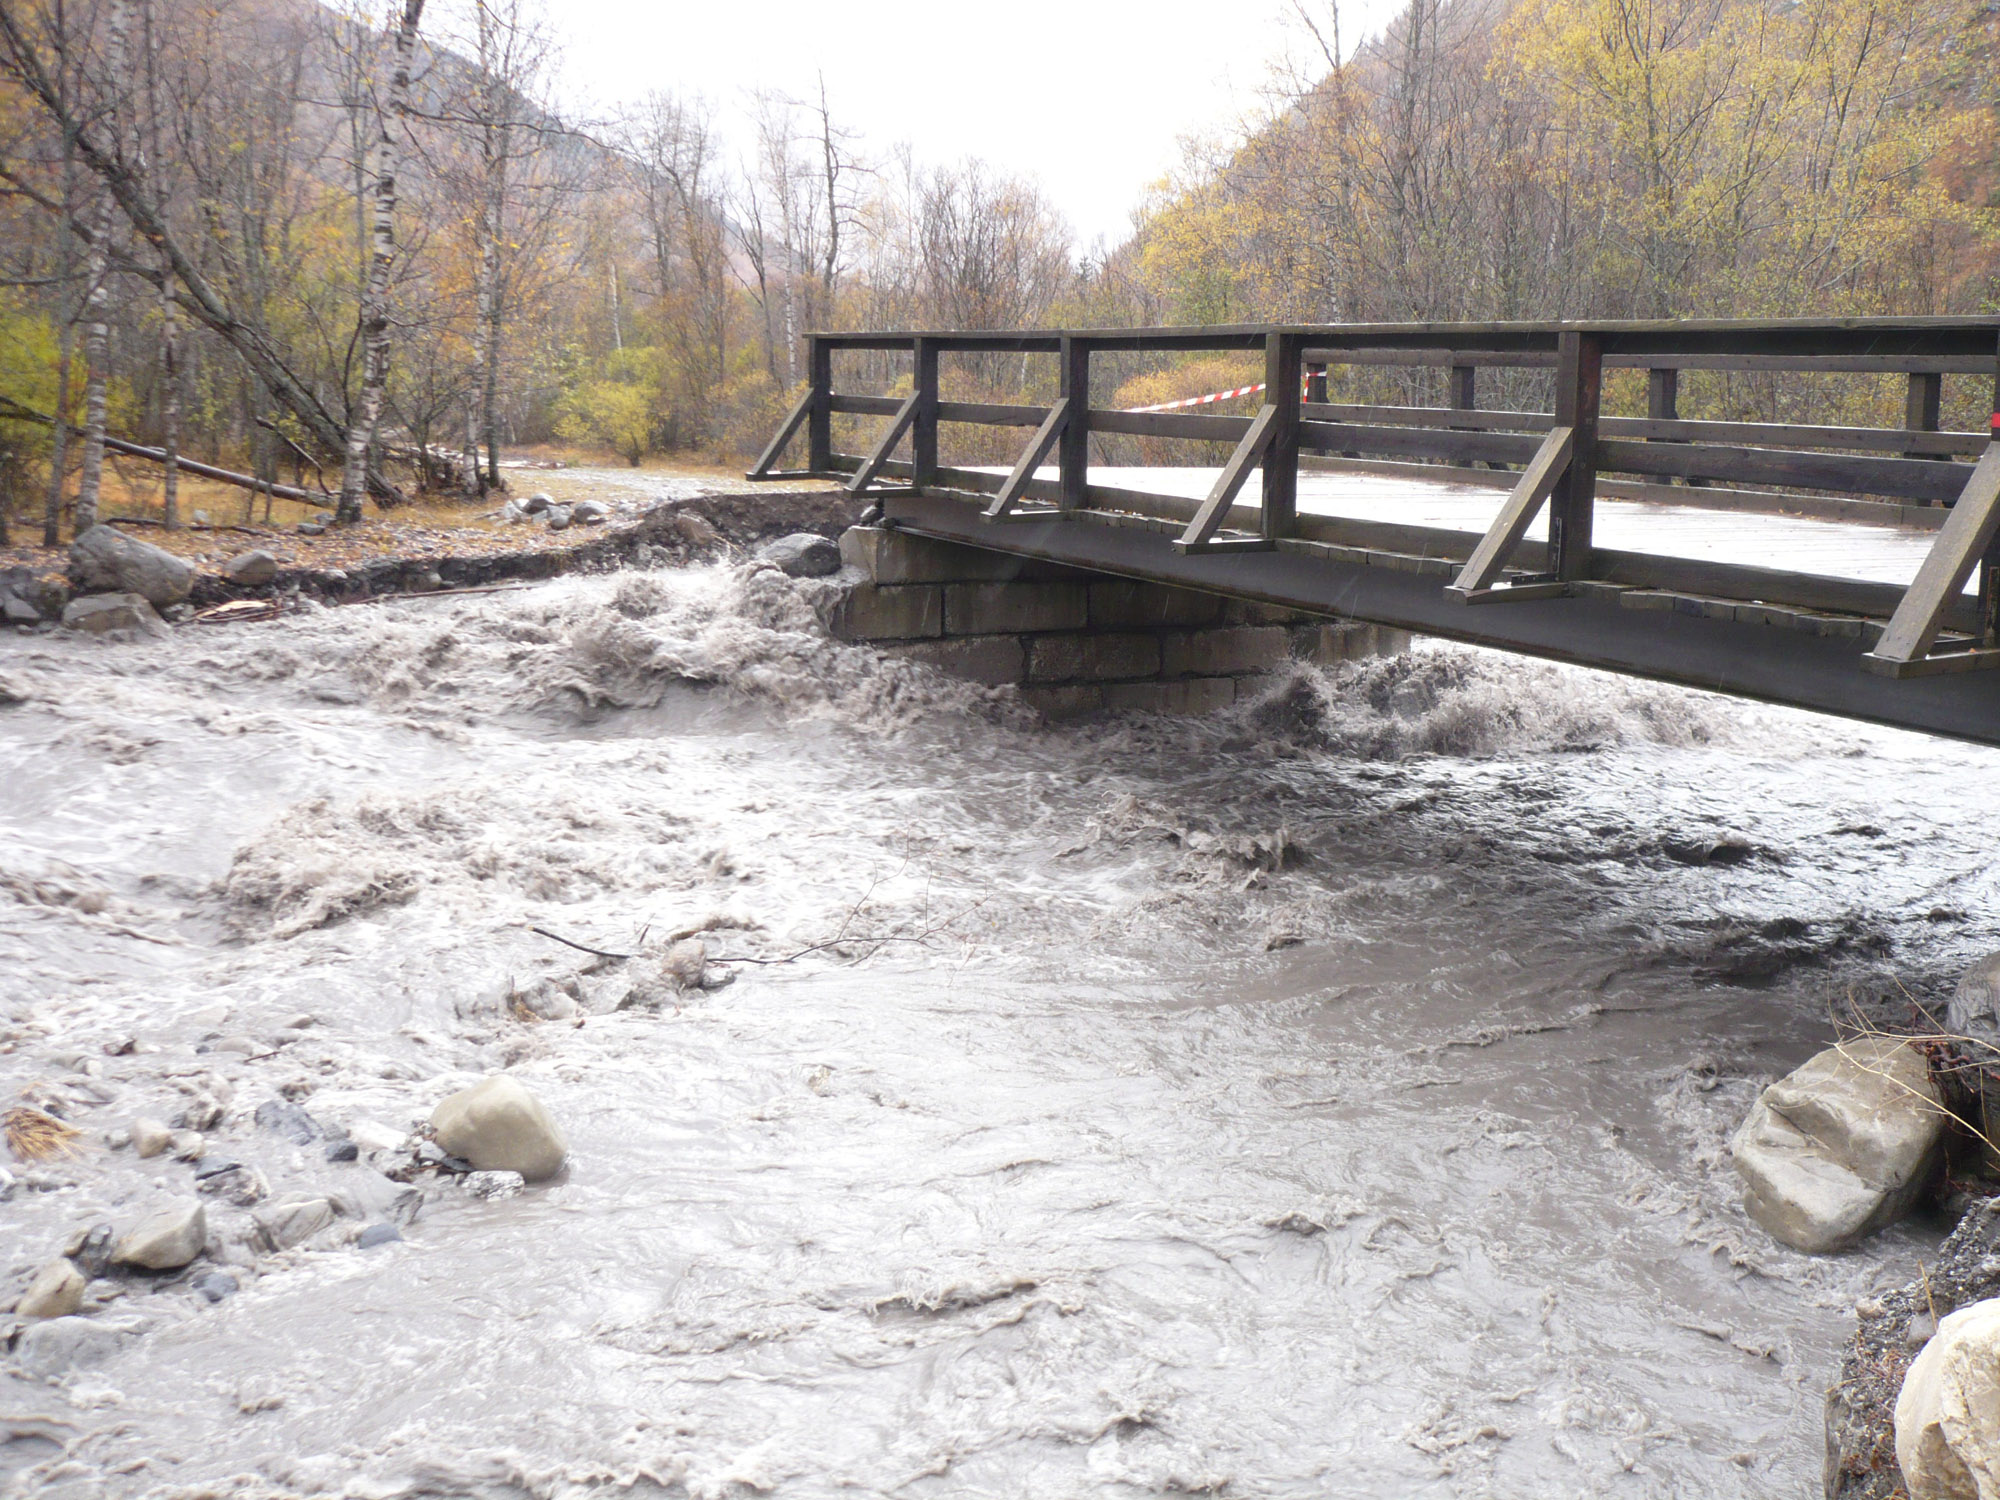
[(1802, 543)]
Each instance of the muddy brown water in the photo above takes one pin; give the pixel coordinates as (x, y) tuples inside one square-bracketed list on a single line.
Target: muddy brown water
[(1324, 1099)]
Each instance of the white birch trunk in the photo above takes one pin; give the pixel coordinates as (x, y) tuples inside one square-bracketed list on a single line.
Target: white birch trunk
[(382, 258)]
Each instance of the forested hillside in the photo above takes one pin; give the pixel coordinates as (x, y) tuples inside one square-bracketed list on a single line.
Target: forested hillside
[(193, 200)]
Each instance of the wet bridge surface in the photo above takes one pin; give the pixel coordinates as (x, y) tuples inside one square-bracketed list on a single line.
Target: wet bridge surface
[(1848, 569)]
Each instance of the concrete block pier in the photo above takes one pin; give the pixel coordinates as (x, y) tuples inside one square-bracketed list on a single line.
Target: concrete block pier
[(1074, 641)]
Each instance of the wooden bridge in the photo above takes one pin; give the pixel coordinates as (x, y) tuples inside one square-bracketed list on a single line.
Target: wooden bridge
[(1850, 570)]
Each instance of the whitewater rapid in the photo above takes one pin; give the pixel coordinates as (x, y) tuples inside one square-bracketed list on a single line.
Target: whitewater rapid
[(1324, 1099)]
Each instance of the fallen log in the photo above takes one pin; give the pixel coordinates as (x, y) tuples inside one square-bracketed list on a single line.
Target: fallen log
[(222, 476), (386, 494)]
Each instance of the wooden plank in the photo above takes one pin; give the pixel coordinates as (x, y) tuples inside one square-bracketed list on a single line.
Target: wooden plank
[(1794, 435), (1446, 419), (1482, 570), (866, 406), (1572, 503), (1765, 502), (891, 435), (1921, 407), (1172, 424), (1016, 484), (992, 414), (1414, 442), (1940, 581), (1073, 460), (1283, 373), (1208, 520), (762, 468), (1850, 473), (924, 423), (1847, 364), (819, 426)]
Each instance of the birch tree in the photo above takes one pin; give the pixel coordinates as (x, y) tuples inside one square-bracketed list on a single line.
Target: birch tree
[(374, 314)]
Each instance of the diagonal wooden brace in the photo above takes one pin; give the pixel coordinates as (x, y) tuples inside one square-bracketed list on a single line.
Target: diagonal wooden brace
[(1903, 650), (1038, 447), (777, 444), (1200, 533), (1476, 579), (872, 464)]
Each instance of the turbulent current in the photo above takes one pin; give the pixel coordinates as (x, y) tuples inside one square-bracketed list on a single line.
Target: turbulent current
[(1328, 1098)]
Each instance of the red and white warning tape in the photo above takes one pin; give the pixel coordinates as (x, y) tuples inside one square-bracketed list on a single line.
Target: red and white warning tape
[(1212, 396)]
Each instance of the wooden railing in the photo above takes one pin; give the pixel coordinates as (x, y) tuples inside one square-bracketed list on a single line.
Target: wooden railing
[(1560, 459)]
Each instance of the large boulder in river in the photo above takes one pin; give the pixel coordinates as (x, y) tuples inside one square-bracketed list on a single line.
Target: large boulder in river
[(1841, 1147), (1948, 1413), (105, 559), (803, 554), (499, 1126), (165, 1240)]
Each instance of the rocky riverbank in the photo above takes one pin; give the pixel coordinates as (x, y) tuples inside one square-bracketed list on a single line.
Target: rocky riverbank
[(425, 561)]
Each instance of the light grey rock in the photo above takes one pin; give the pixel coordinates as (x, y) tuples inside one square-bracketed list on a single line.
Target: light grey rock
[(511, 514), (251, 569), (367, 1194), (189, 1145), (165, 1240), (149, 1136), (295, 1221), (56, 1291), (493, 1185), (1842, 1146), (499, 1126), (373, 1136), (15, 610), (558, 517), (684, 965), (535, 504), (100, 614), (589, 512), (1948, 1411), (548, 999), (803, 555), (1974, 1008), (104, 559), (60, 1345), (203, 1111)]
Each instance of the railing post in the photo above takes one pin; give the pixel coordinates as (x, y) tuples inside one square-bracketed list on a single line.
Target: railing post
[(1073, 454), (1464, 396), (1465, 387), (923, 430), (819, 423), (1921, 407), (1281, 459), (1989, 565), (1579, 383), (1663, 395), (1316, 384)]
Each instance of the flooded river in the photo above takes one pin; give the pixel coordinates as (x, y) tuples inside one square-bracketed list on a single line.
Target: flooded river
[(1324, 1099)]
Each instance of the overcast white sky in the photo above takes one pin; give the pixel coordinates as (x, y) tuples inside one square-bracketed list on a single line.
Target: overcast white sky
[(957, 79)]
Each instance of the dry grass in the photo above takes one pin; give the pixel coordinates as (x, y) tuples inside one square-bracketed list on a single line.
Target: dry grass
[(35, 1135)]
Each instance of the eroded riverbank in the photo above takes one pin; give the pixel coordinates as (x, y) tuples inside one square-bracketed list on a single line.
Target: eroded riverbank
[(1327, 1099)]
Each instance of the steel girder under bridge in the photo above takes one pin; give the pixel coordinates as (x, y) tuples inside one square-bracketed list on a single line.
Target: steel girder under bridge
[(1850, 570)]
